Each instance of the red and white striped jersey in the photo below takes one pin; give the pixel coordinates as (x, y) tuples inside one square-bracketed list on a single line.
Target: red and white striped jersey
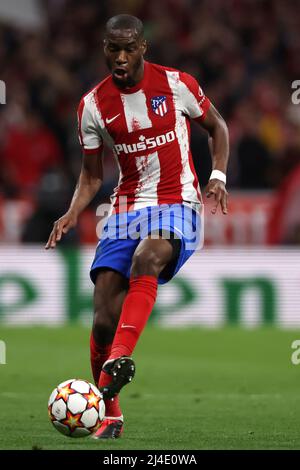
[(148, 128)]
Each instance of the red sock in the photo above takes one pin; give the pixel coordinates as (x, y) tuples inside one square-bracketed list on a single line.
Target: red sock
[(136, 310), (99, 354)]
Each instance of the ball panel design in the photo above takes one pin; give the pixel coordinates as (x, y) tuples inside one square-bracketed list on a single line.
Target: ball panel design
[(96, 391), (66, 382), (80, 386), (92, 400), (101, 410), (77, 403), (89, 418), (52, 397), (64, 392), (61, 428), (80, 432), (73, 421), (59, 409)]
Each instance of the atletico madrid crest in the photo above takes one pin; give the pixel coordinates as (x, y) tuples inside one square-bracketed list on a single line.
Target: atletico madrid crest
[(159, 105)]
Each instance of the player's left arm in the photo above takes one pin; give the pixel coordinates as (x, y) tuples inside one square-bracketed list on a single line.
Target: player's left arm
[(219, 149), (199, 108)]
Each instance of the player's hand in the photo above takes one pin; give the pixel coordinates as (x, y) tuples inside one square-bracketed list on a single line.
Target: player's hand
[(60, 227), (217, 189)]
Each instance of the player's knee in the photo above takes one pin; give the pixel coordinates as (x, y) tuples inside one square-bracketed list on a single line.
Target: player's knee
[(146, 262)]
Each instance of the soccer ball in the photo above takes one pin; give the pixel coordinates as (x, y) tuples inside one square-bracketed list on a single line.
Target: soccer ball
[(76, 408)]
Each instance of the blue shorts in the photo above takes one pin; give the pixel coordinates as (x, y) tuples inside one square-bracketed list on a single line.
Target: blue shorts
[(122, 233)]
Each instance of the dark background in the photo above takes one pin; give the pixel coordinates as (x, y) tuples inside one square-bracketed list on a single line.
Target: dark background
[(244, 53)]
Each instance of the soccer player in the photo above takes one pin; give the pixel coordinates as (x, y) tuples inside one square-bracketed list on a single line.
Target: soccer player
[(143, 112)]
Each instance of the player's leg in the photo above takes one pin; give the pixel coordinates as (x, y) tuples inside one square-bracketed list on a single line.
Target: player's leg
[(153, 260), (110, 290), (109, 293), (149, 260)]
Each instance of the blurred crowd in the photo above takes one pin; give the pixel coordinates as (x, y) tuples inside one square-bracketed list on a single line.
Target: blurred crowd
[(245, 54)]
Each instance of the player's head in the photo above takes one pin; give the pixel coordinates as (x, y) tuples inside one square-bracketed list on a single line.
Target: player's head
[(124, 48)]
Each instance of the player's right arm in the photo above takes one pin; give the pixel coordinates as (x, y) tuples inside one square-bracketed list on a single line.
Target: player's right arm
[(89, 183), (91, 175)]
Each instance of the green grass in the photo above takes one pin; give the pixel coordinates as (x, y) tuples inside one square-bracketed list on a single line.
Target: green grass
[(194, 389)]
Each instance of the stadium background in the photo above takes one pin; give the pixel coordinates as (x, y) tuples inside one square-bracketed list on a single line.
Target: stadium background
[(245, 55)]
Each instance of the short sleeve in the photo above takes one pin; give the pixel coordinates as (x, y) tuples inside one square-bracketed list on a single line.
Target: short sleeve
[(195, 103), (88, 134)]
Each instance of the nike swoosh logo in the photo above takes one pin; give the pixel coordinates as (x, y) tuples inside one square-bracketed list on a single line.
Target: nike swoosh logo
[(127, 326), (108, 121)]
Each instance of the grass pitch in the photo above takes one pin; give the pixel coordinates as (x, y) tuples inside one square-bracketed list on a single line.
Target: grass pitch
[(194, 389)]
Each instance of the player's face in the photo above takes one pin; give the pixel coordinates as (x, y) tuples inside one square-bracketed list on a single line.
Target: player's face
[(124, 53)]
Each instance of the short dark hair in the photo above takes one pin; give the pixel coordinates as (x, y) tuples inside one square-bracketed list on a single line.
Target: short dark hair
[(125, 22)]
